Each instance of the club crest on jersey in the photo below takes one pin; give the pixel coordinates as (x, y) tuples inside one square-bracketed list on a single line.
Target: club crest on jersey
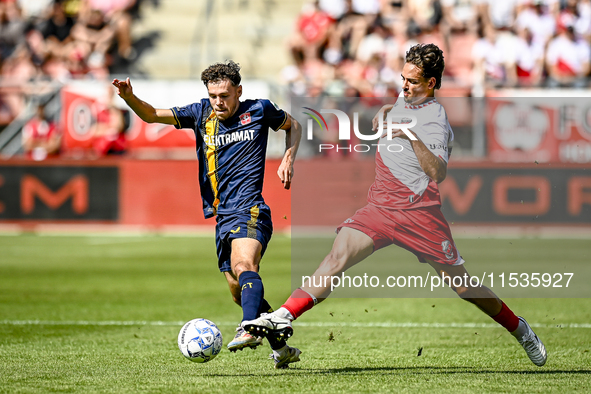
[(245, 118), (448, 249)]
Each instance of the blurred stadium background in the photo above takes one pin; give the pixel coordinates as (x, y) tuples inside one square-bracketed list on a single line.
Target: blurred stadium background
[(71, 153), (86, 305)]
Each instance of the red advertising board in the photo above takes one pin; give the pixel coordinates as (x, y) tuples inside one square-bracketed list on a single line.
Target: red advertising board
[(81, 111), (324, 193), (89, 105), (150, 193), (540, 129)]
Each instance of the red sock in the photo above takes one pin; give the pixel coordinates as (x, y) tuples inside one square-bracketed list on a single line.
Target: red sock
[(507, 318), (298, 303)]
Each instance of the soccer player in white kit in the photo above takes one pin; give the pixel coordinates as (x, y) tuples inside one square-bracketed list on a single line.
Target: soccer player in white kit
[(404, 209)]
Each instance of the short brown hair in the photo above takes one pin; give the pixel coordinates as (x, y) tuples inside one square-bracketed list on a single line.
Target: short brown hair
[(429, 58), (219, 71)]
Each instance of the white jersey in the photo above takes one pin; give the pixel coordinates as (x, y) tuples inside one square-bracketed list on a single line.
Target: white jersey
[(400, 181)]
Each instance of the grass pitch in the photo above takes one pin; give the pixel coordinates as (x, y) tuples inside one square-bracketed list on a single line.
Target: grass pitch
[(102, 314)]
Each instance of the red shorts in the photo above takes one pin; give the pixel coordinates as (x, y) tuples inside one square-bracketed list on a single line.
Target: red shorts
[(422, 231)]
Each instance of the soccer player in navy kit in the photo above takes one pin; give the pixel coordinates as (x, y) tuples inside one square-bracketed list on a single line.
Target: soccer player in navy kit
[(231, 138)]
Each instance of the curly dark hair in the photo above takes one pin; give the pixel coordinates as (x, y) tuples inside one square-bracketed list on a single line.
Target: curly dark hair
[(220, 71), (429, 58)]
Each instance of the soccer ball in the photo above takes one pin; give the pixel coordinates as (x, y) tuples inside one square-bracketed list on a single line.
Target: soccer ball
[(200, 340)]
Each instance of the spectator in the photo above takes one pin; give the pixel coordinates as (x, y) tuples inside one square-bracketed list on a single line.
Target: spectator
[(374, 52), (293, 77), (346, 35), (424, 15), (527, 65), (93, 36), (311, 34), (395, 15), (41, 136), (12, 29), (538, 20), (118, 15), (16, 71), (54, 43), (35, 11), (582, 12), (56, 30), (109, 129), (500, 14), (459, 16), (334, 8), (567, 58), (488, 60), (366, 7), (374, 43)]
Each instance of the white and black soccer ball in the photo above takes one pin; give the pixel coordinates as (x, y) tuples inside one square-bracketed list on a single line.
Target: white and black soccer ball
[(200, 340)]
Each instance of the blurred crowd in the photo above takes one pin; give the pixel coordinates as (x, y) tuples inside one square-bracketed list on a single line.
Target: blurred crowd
[(357, 47), (350, 48), (59, 40)]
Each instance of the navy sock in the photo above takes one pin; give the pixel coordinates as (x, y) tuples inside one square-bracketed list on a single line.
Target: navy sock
[(252, 294), (265, 307), (275, 344)]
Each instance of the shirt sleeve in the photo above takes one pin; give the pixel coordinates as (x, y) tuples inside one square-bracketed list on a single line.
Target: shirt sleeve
[(274, 116), (186, 117), (438, 135)]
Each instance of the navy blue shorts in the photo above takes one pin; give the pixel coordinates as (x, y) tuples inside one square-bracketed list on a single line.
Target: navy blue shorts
[(252, 223)]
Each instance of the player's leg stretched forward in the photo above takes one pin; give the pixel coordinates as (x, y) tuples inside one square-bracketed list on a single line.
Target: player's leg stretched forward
[(245, 259), (489, 303), (351, 247)]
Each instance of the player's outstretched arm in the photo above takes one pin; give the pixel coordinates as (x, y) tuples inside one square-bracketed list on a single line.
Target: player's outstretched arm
[(293, 135), (144, 110)]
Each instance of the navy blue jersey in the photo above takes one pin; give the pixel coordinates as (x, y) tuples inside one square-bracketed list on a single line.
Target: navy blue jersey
[(231, 153)]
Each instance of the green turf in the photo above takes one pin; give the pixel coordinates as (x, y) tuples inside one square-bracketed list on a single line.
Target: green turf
[(58, 295)]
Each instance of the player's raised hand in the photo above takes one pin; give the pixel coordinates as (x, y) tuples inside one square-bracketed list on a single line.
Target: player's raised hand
[(124, 89), (380, 116)]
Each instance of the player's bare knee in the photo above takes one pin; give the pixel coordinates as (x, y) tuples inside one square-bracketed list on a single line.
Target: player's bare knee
[(243, 266)]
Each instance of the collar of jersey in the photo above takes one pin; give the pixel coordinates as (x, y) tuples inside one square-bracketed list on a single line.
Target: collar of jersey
[(422, 105)]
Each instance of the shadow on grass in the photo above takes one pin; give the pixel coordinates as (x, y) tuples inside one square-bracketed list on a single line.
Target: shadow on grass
[(443, 370), (412, 370)]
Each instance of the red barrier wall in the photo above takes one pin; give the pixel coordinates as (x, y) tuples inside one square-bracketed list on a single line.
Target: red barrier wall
[(118, 191), (162, 193), (167, 192), (326, 192)]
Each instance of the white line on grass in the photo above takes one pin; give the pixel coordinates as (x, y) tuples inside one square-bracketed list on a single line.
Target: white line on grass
[(297, 324)]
